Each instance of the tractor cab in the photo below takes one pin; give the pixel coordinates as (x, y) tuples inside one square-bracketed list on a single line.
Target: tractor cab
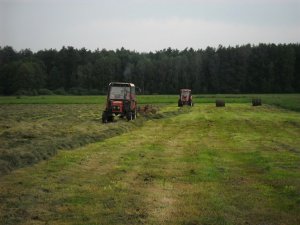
[(121, 101), (185, 98)]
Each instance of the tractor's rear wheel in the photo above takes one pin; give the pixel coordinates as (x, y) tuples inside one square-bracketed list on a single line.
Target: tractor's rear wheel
[(104, 117), (129, 116), (180, 104)]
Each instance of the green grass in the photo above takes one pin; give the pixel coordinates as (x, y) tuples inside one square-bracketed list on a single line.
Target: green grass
[(206, 165), (288, 101), (52, 99), (61, 99)]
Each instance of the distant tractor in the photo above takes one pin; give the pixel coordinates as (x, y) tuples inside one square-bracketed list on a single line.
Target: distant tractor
[(185, 98), (121, 101)]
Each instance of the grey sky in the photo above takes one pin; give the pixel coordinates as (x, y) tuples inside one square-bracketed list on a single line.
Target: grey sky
[(147, 25)]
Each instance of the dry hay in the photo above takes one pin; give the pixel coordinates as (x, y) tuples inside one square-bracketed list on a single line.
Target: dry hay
[(147, 109)]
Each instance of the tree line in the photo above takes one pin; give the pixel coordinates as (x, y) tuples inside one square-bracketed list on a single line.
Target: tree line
[(263, 68)]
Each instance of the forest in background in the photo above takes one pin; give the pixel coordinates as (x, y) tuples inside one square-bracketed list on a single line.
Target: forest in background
[(263, 68)]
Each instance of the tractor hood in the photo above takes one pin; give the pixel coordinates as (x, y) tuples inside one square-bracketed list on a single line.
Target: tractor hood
[(185, 97), (116, 106)]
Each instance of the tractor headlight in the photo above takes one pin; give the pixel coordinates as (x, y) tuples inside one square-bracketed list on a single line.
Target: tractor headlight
[(116, 108)]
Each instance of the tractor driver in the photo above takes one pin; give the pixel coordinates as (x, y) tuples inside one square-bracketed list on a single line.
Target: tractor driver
[(127, 93)]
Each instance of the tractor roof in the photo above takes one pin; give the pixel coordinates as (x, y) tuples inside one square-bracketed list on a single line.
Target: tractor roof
[(121, 84), (185, 89)]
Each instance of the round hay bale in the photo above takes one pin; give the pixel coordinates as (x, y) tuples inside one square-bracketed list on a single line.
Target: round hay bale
[(220, 103), (256, 102)]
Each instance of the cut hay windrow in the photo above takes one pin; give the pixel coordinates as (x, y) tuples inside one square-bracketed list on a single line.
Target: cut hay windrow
[(38, 137)]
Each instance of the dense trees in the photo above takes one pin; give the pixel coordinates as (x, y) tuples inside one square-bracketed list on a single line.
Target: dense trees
[(263, 68)]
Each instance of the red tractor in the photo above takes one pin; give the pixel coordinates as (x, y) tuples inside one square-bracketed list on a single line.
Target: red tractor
[(121, 101), (185, 98)]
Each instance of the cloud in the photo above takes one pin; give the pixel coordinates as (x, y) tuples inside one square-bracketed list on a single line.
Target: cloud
[(215, 1), (151, 34), (146, 25)]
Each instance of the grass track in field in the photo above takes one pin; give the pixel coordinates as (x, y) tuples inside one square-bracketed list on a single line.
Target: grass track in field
[(232, 165)]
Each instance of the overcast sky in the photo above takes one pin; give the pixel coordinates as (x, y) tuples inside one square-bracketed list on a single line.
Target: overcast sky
[(147, 25)]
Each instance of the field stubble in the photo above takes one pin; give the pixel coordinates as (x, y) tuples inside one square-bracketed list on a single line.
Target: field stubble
[(208, 165)]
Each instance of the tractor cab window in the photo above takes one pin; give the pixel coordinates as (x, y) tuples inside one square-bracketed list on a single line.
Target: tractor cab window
[(133, 92), (119, 93), (185, 93)]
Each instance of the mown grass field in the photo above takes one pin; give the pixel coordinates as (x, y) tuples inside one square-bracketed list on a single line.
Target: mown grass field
[(201, 165)]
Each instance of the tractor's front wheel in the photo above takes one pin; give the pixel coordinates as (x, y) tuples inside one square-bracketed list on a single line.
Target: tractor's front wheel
[(110, 119), (135, 114), (180, 104)]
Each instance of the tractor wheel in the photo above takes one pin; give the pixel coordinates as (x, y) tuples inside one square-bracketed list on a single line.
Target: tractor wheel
[(110, 119), (135, 114), (104, 117), (180, 104), (129, 116)]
